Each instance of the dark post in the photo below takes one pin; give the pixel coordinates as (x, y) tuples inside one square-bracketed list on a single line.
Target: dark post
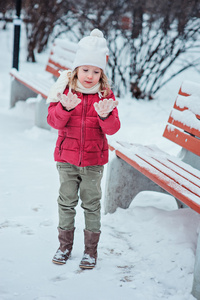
[(17, 29)]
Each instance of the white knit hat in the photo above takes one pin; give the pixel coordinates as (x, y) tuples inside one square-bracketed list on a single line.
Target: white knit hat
[(92, 51)]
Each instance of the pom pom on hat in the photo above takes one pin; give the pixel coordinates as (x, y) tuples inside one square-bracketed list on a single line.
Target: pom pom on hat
[(96, 32), (92, 51)]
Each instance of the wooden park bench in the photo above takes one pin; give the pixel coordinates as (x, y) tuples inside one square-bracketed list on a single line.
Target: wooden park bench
[(26, 85), (141, 167)]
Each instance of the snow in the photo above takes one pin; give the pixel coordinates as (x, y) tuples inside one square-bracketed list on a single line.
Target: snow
[(190, 107), (191, 87), (59, 52), (146, 252), (41, 82), (187, 118), (191, 102)]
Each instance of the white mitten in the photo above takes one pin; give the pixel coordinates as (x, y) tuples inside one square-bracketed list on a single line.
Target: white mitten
[(70, 101), (103, 108)]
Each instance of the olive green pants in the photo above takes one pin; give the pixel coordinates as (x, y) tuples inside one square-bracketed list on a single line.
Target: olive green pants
[(83, 181)]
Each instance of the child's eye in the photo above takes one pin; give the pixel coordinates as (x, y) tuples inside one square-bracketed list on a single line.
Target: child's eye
[(96, 72), (85, 70)]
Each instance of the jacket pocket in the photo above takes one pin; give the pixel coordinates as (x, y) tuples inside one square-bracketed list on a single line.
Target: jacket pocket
[(60, 144)]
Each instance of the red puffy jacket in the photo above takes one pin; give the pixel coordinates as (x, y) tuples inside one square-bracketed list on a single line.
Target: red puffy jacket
[(81, 133)]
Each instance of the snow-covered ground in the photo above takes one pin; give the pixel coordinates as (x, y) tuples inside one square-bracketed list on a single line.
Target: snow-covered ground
[(146, 252)]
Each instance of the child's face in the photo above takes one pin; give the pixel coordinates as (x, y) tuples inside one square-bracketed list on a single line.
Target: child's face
[(88, 75)]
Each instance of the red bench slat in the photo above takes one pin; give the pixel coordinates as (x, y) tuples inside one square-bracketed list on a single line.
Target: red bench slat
[(170, 166), (176, 165), (183, 139), (167, 183), (186, 128), (183, 132)]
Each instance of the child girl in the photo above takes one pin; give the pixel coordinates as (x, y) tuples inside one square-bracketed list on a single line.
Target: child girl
[(83, 109)]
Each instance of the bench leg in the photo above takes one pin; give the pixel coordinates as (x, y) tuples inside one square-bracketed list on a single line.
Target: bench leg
[(181, 204), (196, 281), (189, 158), (123, 183), (41, 111), (19, 92)]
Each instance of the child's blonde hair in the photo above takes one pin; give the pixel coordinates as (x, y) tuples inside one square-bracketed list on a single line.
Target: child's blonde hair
[(104, 84)]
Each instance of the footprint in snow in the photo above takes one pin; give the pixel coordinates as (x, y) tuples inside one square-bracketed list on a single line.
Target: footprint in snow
[(46, 223)]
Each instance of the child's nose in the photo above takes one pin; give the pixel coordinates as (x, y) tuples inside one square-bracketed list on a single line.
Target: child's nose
[(89, 74)]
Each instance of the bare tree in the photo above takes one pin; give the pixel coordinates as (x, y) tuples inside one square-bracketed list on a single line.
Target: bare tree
[(42, 17), (161, 42), (6, 12)]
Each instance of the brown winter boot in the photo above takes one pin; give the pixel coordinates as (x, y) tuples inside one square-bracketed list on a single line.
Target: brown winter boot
[(90, 254), (66, 238)]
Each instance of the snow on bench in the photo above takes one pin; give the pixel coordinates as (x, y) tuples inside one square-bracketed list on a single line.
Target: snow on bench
[(178, 177), (61, 57), (143, 167), (39, 84), (26, 84)]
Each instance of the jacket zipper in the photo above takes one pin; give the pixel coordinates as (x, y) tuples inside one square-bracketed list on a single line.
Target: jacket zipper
[(85, 99)]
